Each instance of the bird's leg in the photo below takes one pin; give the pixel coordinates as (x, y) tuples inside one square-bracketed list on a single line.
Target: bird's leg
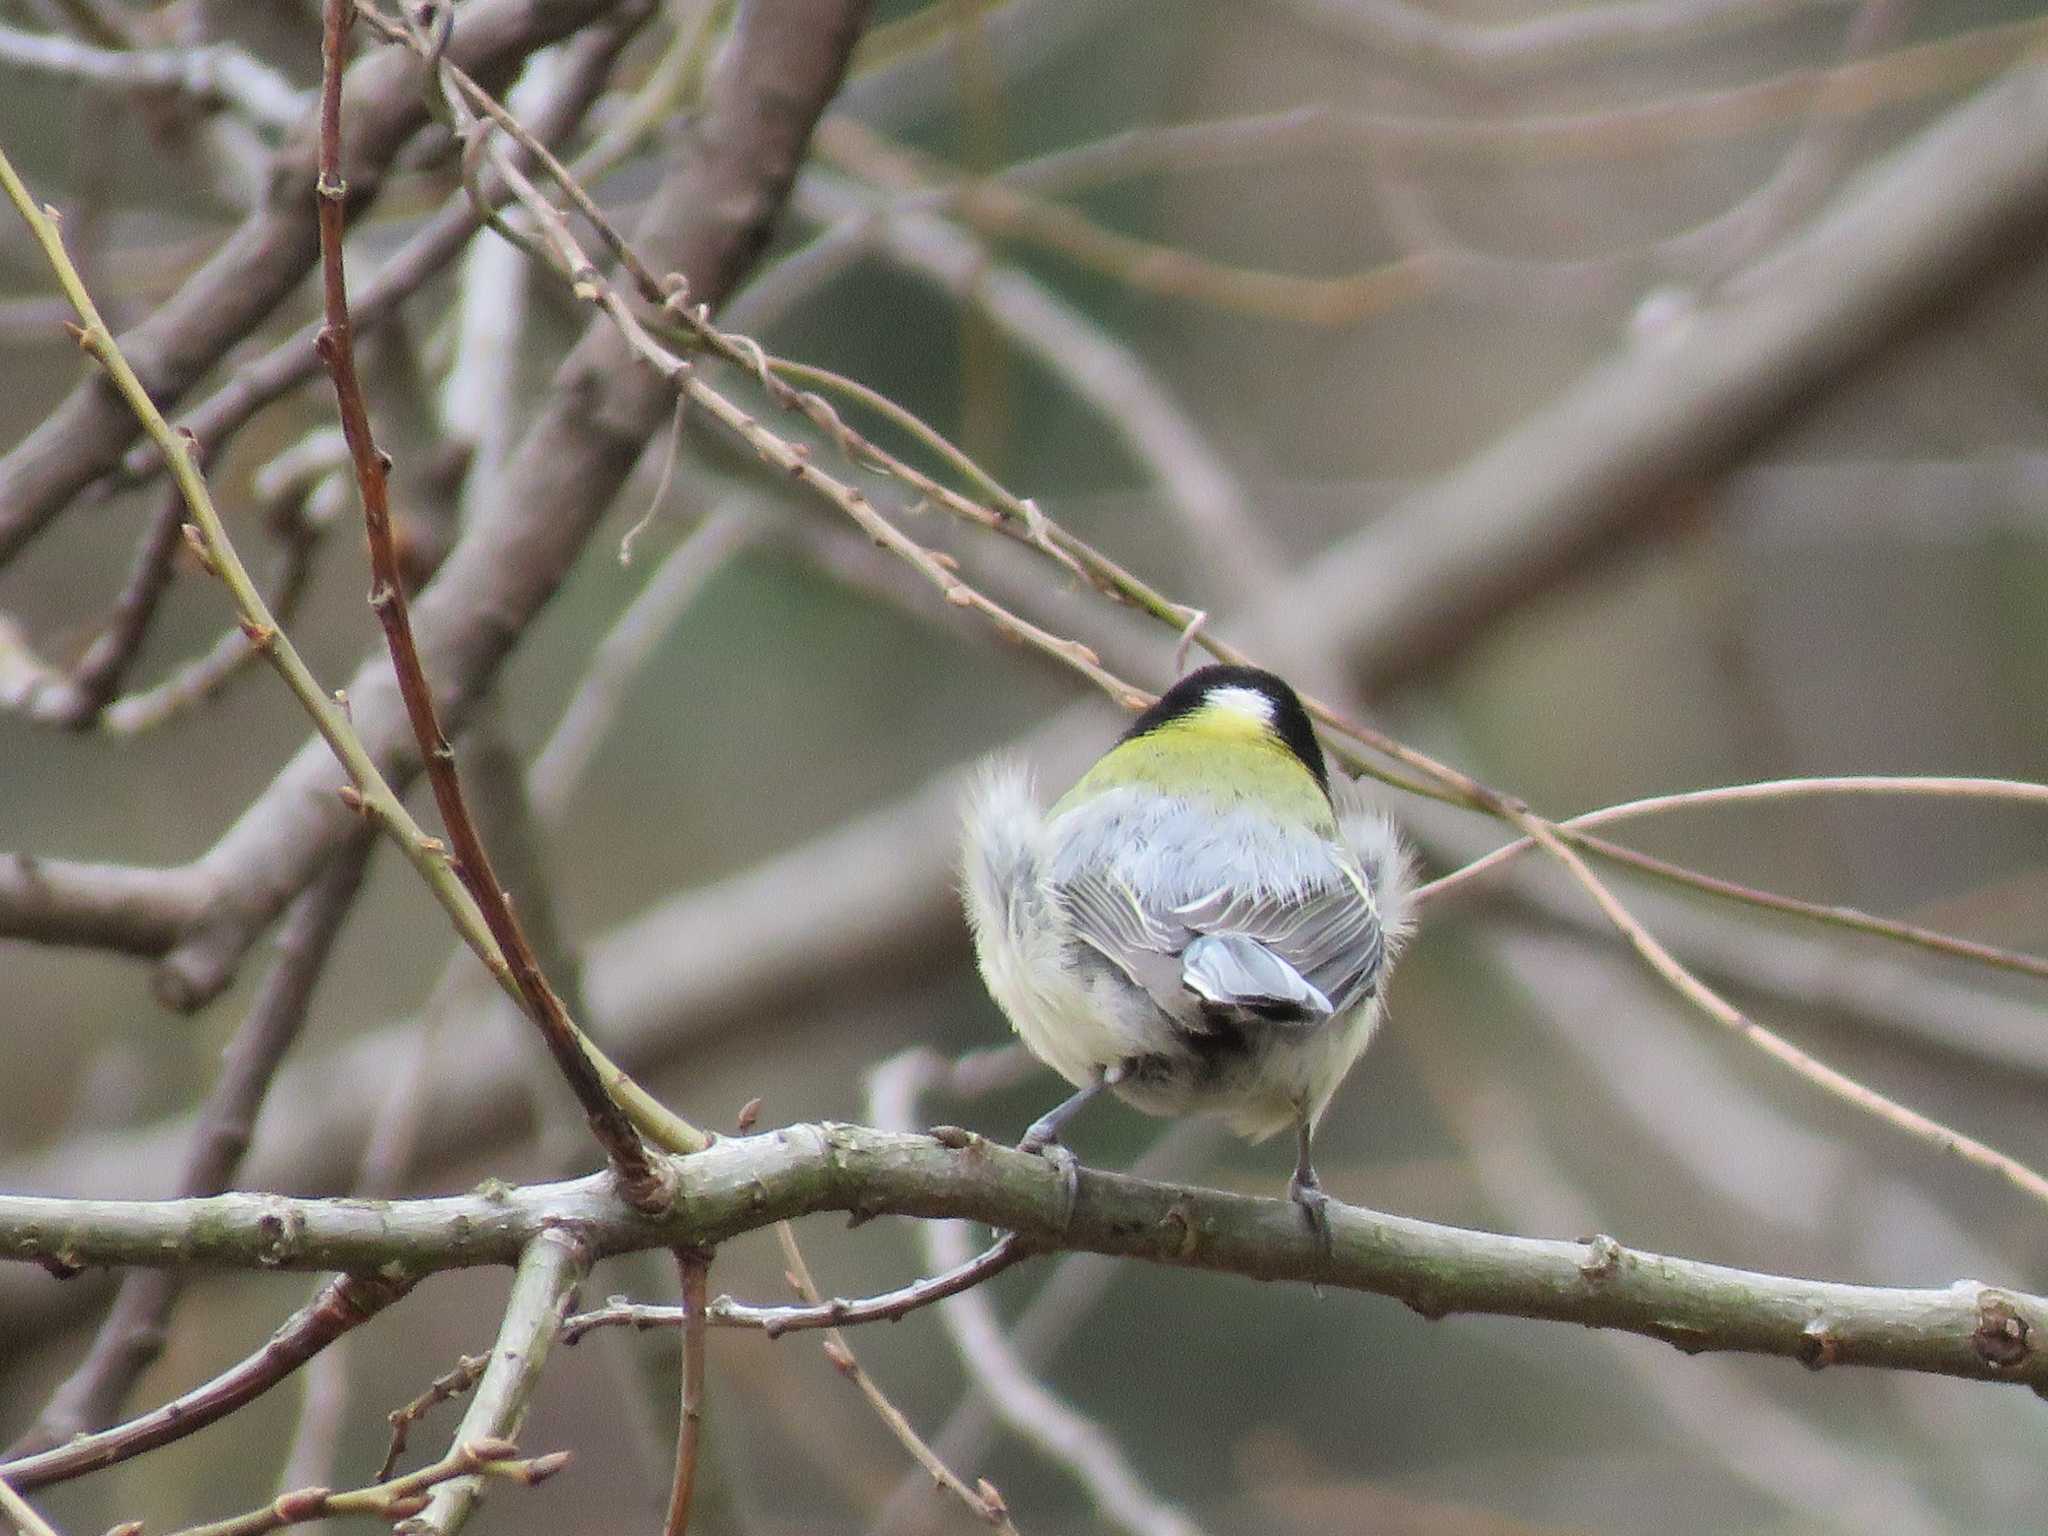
[(1306, 1190), (1044, 1139), (1045, 1130)]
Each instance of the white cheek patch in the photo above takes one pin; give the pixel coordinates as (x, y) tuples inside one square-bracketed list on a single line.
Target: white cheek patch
[(1248, 702)]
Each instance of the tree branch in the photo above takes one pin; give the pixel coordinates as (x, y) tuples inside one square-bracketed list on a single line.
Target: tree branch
[(132, 1334), (551, 1267), (1967, 1329), (341, 1305)]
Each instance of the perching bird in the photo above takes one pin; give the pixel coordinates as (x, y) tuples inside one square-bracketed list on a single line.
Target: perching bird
[(1197, 925)]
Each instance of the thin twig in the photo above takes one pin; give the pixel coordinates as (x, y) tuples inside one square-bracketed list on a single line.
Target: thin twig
[(1573, 830), (984, 1502), (694, 1267), (1763, 791), (643, 1178), (888, 1307), (389, 1501), (299, 505), (449, 1384), (1027, 1405), (1060, 1307), (23, 1514), (75, 701)]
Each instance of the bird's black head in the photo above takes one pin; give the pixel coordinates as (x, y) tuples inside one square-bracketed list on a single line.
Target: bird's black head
[(1285, 717)]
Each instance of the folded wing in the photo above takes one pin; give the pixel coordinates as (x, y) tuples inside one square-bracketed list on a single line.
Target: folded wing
[(1297, 956)]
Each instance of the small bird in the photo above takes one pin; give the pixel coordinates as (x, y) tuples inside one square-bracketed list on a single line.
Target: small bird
[(1198, 925)]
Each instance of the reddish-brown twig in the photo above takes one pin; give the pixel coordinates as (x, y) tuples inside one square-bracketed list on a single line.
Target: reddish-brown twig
[(643, 1179), (450, 1383), (342, 1304)]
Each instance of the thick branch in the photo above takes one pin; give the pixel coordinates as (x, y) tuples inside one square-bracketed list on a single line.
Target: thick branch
[(105, 906), (1965, 1329)]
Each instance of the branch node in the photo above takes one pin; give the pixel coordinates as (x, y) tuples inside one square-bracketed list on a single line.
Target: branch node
[(2004, 1338), (1180, 1239), (1603, 1257), (195, 542), (1818, 1347)]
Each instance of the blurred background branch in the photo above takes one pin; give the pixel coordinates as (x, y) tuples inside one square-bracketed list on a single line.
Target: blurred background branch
[(1611, 400)]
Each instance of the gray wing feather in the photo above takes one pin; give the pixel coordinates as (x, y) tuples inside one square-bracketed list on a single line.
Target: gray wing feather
[(1108, 916), (1238, 972), (1328, 934), (1316, 949)]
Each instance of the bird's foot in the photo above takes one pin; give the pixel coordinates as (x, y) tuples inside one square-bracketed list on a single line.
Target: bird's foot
[(1306, 1191), (1040, 1142)]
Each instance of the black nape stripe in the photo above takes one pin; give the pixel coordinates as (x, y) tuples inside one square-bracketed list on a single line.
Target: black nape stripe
[(1290, 721)]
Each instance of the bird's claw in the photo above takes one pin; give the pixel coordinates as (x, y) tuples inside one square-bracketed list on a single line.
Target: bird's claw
[(1068, 1166), (1307, 1192)]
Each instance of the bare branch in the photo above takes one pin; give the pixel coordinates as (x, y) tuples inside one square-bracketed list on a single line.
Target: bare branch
[(102, 906), (1019, 1398), (983, 1501), (551, 1266), (392, 1500), (213, 76), (449, 1384), (23, 1514), (740, 1184), (695, 1267), (889, 1307), (344, 1303)]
